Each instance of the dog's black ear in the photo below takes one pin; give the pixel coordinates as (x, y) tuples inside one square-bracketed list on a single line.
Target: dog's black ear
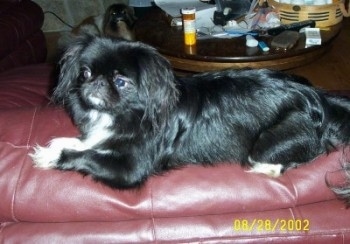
[(157, 85), (69, 67)]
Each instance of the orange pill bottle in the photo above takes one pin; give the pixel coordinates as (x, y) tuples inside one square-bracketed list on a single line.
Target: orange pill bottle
[(189, 25)]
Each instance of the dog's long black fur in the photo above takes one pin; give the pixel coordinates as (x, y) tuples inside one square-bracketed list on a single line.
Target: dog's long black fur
[(154, 121)]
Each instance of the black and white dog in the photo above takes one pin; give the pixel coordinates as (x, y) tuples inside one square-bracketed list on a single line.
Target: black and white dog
[(138, 119)]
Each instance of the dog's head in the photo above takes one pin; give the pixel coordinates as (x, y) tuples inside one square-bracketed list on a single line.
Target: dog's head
[(116, 76), (118, 21)]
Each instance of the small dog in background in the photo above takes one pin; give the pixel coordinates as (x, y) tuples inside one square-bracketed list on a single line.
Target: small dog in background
[(116, 22)]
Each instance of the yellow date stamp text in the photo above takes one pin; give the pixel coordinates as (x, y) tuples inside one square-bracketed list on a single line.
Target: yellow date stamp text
[(266, 225)]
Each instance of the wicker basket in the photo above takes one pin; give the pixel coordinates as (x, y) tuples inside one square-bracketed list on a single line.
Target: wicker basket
[(324, 15)]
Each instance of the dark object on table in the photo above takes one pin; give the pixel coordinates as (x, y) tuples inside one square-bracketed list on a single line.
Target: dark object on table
[(297, 26), (285, 40)]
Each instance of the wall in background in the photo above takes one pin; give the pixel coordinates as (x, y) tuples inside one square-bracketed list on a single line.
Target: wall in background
[(72, 12)]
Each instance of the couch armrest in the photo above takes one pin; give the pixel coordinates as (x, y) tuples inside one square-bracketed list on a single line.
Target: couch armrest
[(22, 41), (26, 86), (18, 21)]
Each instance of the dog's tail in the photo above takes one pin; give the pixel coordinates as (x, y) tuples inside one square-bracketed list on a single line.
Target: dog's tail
[(338, 133)]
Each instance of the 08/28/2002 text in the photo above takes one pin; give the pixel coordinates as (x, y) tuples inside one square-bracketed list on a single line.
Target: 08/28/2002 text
[(271, 225)]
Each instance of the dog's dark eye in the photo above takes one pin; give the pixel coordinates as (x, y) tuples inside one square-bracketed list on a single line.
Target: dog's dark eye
[(120, 82)]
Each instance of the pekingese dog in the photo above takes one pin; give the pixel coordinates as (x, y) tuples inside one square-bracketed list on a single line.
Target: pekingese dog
[(137, 119), (117, 22)]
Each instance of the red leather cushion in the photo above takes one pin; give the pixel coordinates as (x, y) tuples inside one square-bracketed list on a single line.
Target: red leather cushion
[(191, 191)]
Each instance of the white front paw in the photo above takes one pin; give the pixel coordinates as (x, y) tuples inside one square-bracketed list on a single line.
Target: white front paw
[(47, 157)]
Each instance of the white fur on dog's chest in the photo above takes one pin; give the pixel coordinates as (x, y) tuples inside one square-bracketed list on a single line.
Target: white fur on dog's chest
[(100, 128)]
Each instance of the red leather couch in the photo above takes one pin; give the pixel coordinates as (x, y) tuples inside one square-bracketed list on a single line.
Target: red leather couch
[(22, 41), (222, 204)]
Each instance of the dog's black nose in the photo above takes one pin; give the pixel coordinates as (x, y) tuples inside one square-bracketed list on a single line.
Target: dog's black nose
[(99, 83), (118, 16)]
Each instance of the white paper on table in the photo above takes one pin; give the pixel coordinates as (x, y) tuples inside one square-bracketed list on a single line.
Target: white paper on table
[(204, 11)]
